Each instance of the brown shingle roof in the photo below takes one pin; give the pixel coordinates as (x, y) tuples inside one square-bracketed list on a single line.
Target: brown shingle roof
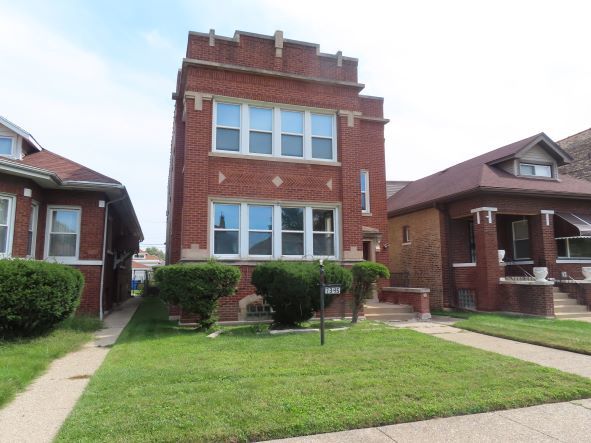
[(392, 187), (66, 170), (478, 173)]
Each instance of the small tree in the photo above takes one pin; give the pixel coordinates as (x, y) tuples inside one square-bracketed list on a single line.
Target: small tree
[(196, 288), (152, 250), (365, 274)]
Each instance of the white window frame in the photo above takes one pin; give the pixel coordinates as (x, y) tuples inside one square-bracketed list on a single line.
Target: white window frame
[(536, 166), (290, 231), (48, 232), (333, 232), (247, 118), (364, 178), (249, 230), (12, 146), (34, 217), (243, 237), (244, 148), (11, 223), (513, 239)]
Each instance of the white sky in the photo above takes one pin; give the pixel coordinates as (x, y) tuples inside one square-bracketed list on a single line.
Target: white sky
[(92, 80)]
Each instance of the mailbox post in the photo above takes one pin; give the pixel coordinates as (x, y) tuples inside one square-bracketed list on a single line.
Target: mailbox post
[(321, 302)]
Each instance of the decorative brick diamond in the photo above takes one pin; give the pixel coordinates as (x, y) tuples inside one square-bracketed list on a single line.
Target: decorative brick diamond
[(329, 184), (277, 181), (221, 177)]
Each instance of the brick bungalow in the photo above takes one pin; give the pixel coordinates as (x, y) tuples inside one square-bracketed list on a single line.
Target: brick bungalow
[(275, 155), (54, 209), (578, 146), (473, 232)]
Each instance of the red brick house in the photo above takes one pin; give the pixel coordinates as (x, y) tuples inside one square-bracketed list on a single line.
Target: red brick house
[(54, 209), (276, 154), (474, 232)]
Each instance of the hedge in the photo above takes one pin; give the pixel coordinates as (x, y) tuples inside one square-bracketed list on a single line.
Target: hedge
[(365, 274), (36, 295), (196, 288), (292, 288)]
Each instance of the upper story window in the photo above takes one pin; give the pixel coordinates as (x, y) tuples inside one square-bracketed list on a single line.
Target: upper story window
[(6, 146), (6, 224), (364, 191), (277, 131), (246, 231), (534, 170), (406, 234), (32, 232), (63, 233)]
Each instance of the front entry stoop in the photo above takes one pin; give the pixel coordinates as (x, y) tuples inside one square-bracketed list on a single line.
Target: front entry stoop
[(566, 307), (375, 310)]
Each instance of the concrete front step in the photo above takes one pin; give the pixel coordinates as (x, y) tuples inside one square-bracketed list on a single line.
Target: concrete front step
[(386, 308), (573, 309), (401, 316), (564, 301), (567, 315)]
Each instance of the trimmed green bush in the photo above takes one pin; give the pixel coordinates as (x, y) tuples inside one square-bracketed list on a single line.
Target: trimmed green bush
[(196, 288), (292, 288), (365, 274), (36, 295)]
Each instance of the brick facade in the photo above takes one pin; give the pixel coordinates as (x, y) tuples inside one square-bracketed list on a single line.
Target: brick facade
[(271, 71)]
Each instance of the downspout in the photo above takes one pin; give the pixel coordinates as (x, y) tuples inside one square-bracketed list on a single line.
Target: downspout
[(101, 312)]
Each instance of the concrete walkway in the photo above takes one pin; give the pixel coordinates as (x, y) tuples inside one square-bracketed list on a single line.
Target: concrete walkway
[(554, 358), (37, 413), (558, 422)]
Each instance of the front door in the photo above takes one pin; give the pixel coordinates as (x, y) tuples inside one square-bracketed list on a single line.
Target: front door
[(367, 250)]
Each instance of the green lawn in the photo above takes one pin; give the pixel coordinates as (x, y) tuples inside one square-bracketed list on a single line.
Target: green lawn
[(164, 383), (570, 335), (23, 360)]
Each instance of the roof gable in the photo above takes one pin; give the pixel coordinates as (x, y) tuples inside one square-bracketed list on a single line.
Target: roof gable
[(20, 131)]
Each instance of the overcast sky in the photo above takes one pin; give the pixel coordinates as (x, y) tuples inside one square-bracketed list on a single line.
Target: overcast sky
[(92, 80)]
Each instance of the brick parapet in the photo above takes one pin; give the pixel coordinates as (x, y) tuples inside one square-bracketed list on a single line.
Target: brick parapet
[(527, 299)]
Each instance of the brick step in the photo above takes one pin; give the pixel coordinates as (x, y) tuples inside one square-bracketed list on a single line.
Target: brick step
[(386, 308), (565, 315), (573, 309), (401, 316), (564, 301)]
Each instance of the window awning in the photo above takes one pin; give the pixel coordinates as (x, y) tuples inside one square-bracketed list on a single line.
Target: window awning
[(580, 221)]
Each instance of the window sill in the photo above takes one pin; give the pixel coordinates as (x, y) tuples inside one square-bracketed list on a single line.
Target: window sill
[(519, 262), (73, 261), (564, 260), (406, 243), (366, 214), (270, 158), (464, 265)]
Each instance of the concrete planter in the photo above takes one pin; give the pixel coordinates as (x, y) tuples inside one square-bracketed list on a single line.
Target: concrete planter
[(501, 255), (541, 273), (586, 270)]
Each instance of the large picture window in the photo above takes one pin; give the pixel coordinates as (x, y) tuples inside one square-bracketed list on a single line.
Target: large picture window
[(6, 224), (574, 247), (245, 230), (278, 131), (63, 232), (521, 240)]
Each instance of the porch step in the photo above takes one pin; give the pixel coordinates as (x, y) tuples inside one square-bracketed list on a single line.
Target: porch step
[(388, 312), (567, 315), (561, 296), (564, 301), (569, 309)]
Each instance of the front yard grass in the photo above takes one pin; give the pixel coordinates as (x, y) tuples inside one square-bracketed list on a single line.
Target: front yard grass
[(569, 335), (24, 359), (161, 382)]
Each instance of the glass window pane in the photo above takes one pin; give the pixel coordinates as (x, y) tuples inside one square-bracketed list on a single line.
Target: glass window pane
[(323, 244), (260, 243), (261, 119), (261, 143), (228, 115), (520, 230), (292, 219), (29, 242), (5, 146), (225, 242), (260, 217), (561, 246), (62, 245), (527, 169), (3, 239), (4, 203), (322, 148), (292, 243), (363, 181), (322, 220), (227, 139), (543, 171), (363, 203), (522, 249), (292, 145), (292, 121), (322, 125), (226, 216), (580, 247), (64, 221)]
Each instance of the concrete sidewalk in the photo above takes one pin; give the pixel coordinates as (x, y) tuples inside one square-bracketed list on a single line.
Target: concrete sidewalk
[(554, 358), (562, 422), (37, 413)]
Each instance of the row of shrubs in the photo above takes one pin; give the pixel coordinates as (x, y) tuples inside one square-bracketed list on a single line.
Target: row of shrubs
[(290, 288), (36, 295)]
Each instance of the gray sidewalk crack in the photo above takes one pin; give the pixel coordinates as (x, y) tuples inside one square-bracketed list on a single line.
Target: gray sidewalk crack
[(500, 413), (380, 429)]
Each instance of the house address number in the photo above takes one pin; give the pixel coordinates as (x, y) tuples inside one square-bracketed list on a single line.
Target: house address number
[(332, 289)]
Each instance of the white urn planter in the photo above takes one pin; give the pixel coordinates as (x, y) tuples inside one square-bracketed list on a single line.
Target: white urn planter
[(586, 272), (501, 255), (541, 273)]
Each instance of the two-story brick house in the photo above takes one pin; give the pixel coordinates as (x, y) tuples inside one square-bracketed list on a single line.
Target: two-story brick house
[(275, 155), (54, 209)]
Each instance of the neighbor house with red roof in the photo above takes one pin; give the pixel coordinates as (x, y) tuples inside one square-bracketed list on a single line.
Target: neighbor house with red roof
[(475, 233), (54, 209)]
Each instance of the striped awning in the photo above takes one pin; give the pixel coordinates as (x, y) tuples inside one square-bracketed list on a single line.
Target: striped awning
[(580, 221)]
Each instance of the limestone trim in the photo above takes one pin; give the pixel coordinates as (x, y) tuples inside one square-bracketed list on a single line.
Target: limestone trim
[(273, 159)]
